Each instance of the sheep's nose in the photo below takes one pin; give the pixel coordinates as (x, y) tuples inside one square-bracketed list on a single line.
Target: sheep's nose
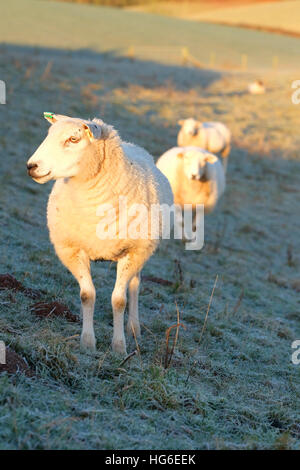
[(31, 167), (193, 177)]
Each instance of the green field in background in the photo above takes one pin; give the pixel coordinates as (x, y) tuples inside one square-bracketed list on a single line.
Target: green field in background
[(72, 26)]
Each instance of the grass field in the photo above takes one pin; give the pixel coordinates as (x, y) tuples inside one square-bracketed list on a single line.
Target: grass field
[(278, 15), (158, 38), (236, 387), (186, 9)]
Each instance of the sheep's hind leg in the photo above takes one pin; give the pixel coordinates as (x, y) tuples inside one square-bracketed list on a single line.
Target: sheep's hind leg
[(225, 153), (127, 270), (133, 325), (79, 264)]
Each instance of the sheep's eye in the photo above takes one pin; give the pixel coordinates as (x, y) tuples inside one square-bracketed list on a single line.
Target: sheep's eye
[(74, 140)]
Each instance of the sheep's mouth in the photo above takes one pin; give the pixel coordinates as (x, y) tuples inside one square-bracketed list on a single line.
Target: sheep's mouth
[(39, 178), (42, 176)]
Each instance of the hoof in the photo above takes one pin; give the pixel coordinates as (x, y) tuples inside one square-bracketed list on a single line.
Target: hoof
[(119, 347), (88, 342)]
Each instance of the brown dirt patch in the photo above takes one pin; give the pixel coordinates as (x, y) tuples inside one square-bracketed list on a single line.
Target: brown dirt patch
[(52, 310), (7, 281), (15, 363), (157, 280)]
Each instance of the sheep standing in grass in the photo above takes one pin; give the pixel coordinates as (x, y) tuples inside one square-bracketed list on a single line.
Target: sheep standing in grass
[(93, 169), (196, 176), (212, 136)]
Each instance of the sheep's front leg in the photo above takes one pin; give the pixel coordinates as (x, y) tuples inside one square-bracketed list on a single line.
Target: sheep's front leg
[(127, 270), (133, 325), (79, 264)]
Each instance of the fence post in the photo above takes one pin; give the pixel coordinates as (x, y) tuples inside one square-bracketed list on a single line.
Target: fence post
[(184, 55), (131, 53)]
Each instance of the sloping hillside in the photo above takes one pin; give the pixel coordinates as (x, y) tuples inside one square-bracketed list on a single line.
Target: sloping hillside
[(64, 25), (281, 16), (231, 383)]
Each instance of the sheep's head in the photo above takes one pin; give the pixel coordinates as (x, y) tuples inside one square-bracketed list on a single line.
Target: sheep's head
[(189, 126), (195, 163), (60, 155)]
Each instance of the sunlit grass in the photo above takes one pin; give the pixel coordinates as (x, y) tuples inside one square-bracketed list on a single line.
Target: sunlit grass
[(230, 382), (236, 388)]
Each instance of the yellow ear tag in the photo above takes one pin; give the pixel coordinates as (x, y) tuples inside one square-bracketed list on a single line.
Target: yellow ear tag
[(89, 133)]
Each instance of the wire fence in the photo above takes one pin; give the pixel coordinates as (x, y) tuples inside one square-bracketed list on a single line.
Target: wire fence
[(182, 56)]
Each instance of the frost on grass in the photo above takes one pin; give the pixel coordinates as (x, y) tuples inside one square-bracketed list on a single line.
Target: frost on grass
[(233, 386)]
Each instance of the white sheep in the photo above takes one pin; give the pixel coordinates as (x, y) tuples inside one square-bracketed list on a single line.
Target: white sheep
[(212, 136), (256, 88), (93, 169), (195, 175)]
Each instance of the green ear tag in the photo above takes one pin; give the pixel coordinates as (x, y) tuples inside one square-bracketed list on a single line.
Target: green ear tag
[(48, 115)]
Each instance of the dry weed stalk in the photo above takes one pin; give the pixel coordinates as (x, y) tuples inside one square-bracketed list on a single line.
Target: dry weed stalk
[(203, 327), (134, 353), (138, 351), (238, 303), (47, 71), (169, 354)]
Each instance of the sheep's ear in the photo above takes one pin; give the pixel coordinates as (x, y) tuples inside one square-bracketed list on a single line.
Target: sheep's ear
[(180, 155), (52, 118), (211, 158), (98, 121), (93, 130), (180, 122)]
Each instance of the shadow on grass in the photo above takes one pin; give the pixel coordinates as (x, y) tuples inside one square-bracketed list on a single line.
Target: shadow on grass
[(183, 77)]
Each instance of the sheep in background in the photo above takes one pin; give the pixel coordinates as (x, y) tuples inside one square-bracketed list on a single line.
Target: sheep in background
[(256, 88), (93, 167), (195, 175), (212, 136)]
